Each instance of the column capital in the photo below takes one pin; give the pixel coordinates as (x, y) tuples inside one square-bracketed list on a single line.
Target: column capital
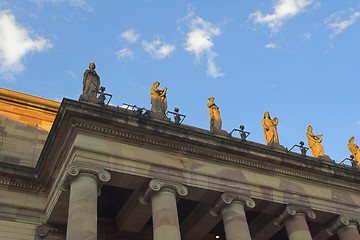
[(77, 168), (156, 185), (292, 210), (344, 220), (45, 230), (228, 198)]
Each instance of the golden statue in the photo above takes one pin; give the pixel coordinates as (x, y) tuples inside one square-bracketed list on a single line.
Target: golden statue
[(214, 113), (314, 143), (354, 149), (158, 99), (270, 131)]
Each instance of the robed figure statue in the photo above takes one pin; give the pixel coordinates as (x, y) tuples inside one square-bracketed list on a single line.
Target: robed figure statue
[(91, 85), (270, 131), (158, 99)]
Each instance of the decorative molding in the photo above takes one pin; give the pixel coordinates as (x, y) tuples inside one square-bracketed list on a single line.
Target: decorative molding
[(292, 210), (44, 230), (216, 155), (344, 220), (227, 198), (15, 183), (77, 168), (156, 185)]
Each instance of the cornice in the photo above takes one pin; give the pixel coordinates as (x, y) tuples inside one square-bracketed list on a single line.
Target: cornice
[(210, 154)]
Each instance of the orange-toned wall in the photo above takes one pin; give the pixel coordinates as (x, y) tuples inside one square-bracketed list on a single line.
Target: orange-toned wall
[(25, 121)]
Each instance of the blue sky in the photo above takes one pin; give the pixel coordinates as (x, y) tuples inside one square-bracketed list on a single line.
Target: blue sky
[(297, 59)]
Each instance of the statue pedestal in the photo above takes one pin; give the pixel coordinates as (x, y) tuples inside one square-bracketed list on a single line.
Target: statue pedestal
[(160, 116), (326, 158), (219, 132), (276, 146)]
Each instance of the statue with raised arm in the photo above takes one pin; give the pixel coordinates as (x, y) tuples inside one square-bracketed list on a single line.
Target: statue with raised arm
[(91, 85), (354, 149), (270, 132), (158, 99), (214, 114), (314, 143)]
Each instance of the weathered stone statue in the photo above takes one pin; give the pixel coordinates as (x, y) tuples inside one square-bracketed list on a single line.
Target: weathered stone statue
[(314, 143), (270, 132), (158, 100), (91, 85), (214, 113), (354, 149)]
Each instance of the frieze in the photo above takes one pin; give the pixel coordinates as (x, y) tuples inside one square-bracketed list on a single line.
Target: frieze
[(212, 155)]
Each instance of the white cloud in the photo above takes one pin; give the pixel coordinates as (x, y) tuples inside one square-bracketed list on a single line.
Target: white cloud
[(130, 36), (283, 10), (84, 4), (357, 124), (338, 25), (213, 70), (199, 42), (306, 36), (124, 53), (157, 48), (271, 45), (15, 43)]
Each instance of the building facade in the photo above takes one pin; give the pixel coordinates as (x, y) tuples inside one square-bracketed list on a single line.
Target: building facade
[(103, 172)]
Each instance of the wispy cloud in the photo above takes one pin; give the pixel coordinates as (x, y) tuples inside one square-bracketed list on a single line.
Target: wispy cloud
[(306, 36), (271, 45), (337, 24), (199, 42), (15, 43), (283, 10), (157, 48), (124, 53), (130, 36), (356, 124), (84, 4)]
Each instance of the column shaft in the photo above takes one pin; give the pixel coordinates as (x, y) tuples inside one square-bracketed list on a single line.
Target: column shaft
[(165, 216), (82, 219), (236, 226), (297, 228), (349, 233)]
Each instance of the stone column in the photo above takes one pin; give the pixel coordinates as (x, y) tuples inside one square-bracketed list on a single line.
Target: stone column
[(232, 208), (346, 226), (294, 218), (84, 182), (162, 195)]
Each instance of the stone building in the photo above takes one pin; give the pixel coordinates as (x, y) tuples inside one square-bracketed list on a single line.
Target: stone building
[(104, 173)]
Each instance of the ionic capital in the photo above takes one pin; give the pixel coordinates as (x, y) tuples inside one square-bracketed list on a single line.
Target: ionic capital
[(228, 198), (100, 174), (292, 210), (45, 230), (156, 185), (344, 220)]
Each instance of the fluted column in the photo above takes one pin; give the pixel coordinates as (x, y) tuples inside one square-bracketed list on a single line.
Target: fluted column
[(346, 226), (162, 195), (232, 208), (84, 182), (294, 218)]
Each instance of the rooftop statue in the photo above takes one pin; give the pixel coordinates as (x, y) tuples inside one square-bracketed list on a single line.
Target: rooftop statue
[(158, 100), (214, 113), (91, 85), (354, 149), (314, 143), (270, 132)]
